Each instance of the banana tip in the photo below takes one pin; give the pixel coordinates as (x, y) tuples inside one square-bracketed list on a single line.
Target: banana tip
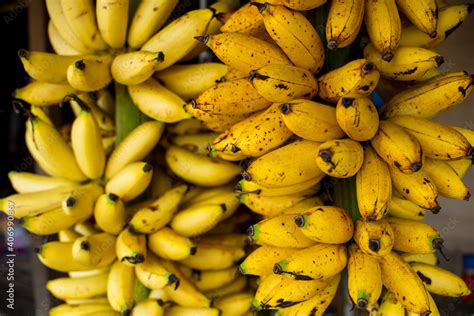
[(388, 56), (246, 176), (374, 245), (299, 220), (436, 209), (193, 250), (260, 6), (416, 166), (277, 269), (368, 67), (23, 53), (439, 60), (362, 303), (433, 34), (202, 39), (80, 65), (332, 45)]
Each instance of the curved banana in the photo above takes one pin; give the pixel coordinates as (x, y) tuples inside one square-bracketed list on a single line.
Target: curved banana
[(357, 117), (109, 213), (239, 303), (94, 250), (131, 181), (390, 306), (149, 307), (135, 67), (167, 244), (43, 93), (154, 275), (197, 220), (446, 180), (402, 208), (192, 311), (344, 22), (197, 143), (249, 187), (112, 21), (90, 74), (247, 20), (236, 286), (59, 44), (57, 255), (340, 158), (213, 279), (212, 257), (298, 5), (383, 25), (120, 287), (103, 119), (26, 182), (83, 309), (427, 258), (131, 248), (78, 288), (304, 205), (261, 260), (67, 235), (423, 14), (374, 238), (440, 281), (460, 166), (225, 239)]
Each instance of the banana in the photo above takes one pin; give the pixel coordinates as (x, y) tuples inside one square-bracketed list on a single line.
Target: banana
[(408, 63), (26, 182), (105, 101), (261, 260), (189, 81), (109, 213), (249, 187), (344, 22), (223, 195), (383, 25), (176, 39), (446, 180), (135, 147), (108, 144), (39, 112), (316, 262), (167, 244), (431, 97), (86, 228), (112, 21), (237, 97), (226, 240), (295, 35), (318, 224), (390, 306), (244, 52), (156, 101), (234, 304), (120, 287), (399, 148), (149, 307), (67, 235), (414, 236), (57, 256), (357, 117), (211, 257), (408, 290), (88, 273), (467, 133), (233, 74), (450, 17), (357, 78), (423, 14), (460, 166), (154, 275), (213, 279), (340, 158), (236, 286), (90, 74), (311, 120), (96, 300), (94, 250), (299, 5), (440, 281), (247, 20), (374, 238), (59, 44), (43, 93), (86, 143), (197, 143), (104, 120), (160, 183), (133, 68), (364, 278), (197, 220), (437, 140), (83, 309), (150, 16), (303, 205), (427, 258), (402, 208), (131, 248), (373, 186), (78, 288), (192, 311), (131, 181)]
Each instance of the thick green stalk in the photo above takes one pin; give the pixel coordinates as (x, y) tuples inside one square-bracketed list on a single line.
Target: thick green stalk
[(345, 196)]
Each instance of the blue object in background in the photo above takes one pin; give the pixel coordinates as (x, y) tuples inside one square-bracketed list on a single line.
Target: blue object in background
[(377, 100)]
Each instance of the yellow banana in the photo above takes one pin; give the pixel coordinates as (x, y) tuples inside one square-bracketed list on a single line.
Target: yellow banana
[(311, 120), (234, 304), (26, 182), (131, 248), (383, 25), (212, 257), (466, 132), (197, 220), (374, 238), (39, 112), (96, 249), (154, 275), (244, 52), (246, 187), (423, 14), (149, 307), (357, 78), (59, 44), (78, 288), (43, 93), (358, 118), (261, 261), (223, 195), (299, 5), (408, 290), (303, 205), (226, 240), (236, 286), (247, 20), (167, 244), (67, 235), (57, 255), (120, 285), (197, 143), (83, 309), (344, 22), (90, 74), (460, 166), (109, 213), (427, 258), (440, 281), (213, 279), (397, 147), (112, 18), (104, 120), (340, 158), (316, 262), (446, 180), (390, 306), (364, 278), (233, 74), (135, 67), (85, 228), (156, 101), (215, 122), (131, 181), (402, 208), (192, 311)]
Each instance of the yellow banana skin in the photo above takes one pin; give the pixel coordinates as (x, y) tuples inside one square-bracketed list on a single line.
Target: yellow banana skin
[(384, 26), (374, 238), (96, 249), (279, 231), (423, 14), (427, 258), (311, 120), (299, 5), (192, 311), (43, 93), (244, 52), (357, 78), (446, 180), (169, 245), (197, 220), (78, 288), (176, 39), (393, 266), (261, 260), (67, 235), (213, 279), (154, 275), (103, 119), (236, 286), (131, 248), (59, 44), (460, 166), (148, 19), (390, 306), (295, 35), (304, 205), (156, 101), (112, 18), (237, 97), (109, 213), (440, 281), (467, 133), (131, 181), (147, 307), (364, 278), (212, 257), (282, 83), (318, 224), (246, 187), (358, 118), (197, 143), (344, 22), (120, 287), (135, 67), (397, 147), (373, 186), (26, 182), (402, 208), (239, 303), (90, 74), (431, 97), (247, 19), (340, 158), (316, 262), (83, 309), (437, 140)]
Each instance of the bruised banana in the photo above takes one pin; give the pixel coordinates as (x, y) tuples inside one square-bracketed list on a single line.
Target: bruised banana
[(131, 248), (340, 158), (135, 67), (423, 14), (446, 180), (247, 19), (261, 261), (344, 22), (374, 238), (357, 117)]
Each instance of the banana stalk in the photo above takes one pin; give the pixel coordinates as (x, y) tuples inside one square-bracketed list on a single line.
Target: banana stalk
[(127, 115)]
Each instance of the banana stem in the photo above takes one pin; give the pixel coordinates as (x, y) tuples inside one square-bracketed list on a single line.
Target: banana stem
[(345, 196), (127, 115)]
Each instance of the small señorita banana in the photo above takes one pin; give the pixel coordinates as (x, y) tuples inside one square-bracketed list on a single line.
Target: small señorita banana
[(25, 182), (167, 244), (374, 238), (147, 307), (131, 248), (423, 14), (344, 22), (109, 213), (357, 117), (94, 250), (135, 67), (90, 74), (199, 219), (340, 158), (154, 275), (261, 261), (57, 255), (79, 288), (43, 93), (239, 303), (446, 180), (112, 18), (120, 285), (131, 181), (212, 257), (402, 208)]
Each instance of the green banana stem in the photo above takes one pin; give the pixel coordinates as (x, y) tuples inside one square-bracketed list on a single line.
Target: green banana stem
[(345, 196)]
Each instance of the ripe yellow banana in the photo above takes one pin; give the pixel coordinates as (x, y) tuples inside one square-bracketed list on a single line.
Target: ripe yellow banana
[(25, 182), (223, 195), (120, 285), (340, 158), (197, 143), (373, 186), (247, 20), (67, 235), (112, 18), (390, 306), (357, 78), (83, 309), (236, 286), (160, 183), (131, 248), (135, 67), (212, 257), (233, 74), (78, 288), (197, 220), (311, 120), (460, 166), (148, 307), (299, 5), (316, 262), (80, 202), (167, 244), (239, 303), (131, 181), (192, 311), (440, 281), (364, 278), (397, 147), (303, 205), (57, 255), (357, 117), (466, 132), (431, 97), (402, 208), (344, 22), (261, 261), (43, 93), (156, 101), (427, 258), (94, 250), (383, 25), (445, 179), (244, 52), (90, 74), (374, 238), (109, 213), (213, 279), (423, 14), (154, 275), (103, 119), (245, 187), (59, 44)]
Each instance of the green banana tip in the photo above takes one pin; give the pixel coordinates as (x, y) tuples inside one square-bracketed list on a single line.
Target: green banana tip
[(23, 53)]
